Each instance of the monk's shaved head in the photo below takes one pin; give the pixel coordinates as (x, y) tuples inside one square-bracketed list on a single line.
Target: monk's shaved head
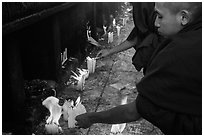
[(194, 8)]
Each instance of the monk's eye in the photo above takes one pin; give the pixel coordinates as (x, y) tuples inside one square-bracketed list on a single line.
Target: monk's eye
[(159, 15)]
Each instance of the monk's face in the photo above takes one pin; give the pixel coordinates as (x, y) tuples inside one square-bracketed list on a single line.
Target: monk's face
[(167, 23)]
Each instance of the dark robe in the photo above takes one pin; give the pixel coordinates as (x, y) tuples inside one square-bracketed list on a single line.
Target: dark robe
[(143, 17), (145, 31), (173, 79)]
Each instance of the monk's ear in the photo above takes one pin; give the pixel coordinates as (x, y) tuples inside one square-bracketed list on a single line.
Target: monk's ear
[(185, 17)]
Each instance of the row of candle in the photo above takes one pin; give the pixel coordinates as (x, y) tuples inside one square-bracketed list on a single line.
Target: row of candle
[(110, 38), (110, 34), (68, 110), (84, 73)]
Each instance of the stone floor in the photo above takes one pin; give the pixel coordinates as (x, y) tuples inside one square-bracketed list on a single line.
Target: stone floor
[(114, 78)]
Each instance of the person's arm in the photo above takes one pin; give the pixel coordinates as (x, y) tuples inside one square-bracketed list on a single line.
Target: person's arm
[(120, 114), (121, 47)]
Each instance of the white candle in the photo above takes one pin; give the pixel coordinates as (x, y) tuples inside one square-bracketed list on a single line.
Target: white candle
[(52, 123), (75, 111), (87, 33), (124, 21), (66, 53), (66, 107), (108, 37), (104, 29), (79, 108), (114, 22), (118, 30), (118, 128), (91, 63), (55, 109), (111, 37), (84, 72), (52, 129), (61, 58), (71, 118)]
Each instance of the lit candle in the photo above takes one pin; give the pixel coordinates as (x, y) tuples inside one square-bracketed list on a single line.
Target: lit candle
[(79, 107), (118, 30), (69, 113), (124, 21), (61, 58), (84, 72), (52, 123), (104, 29), (80, 81), (118, 128), (87, 32), (91, 63), (114, 22), (76, 110), (52, 129), (66, 53), (109, 37), (66, 107), (71, 118)]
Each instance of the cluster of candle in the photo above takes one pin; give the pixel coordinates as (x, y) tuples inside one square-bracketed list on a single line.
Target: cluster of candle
[(68, 110), (110, 34), (118, 128), (83, 74), (110, 37)]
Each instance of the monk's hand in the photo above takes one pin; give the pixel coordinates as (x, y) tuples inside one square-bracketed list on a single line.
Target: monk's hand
[(83, 120), (103, 53)]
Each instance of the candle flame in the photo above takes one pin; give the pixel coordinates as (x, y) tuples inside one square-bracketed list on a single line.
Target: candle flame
[(71, 111), (80, 80), (52, 122)]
